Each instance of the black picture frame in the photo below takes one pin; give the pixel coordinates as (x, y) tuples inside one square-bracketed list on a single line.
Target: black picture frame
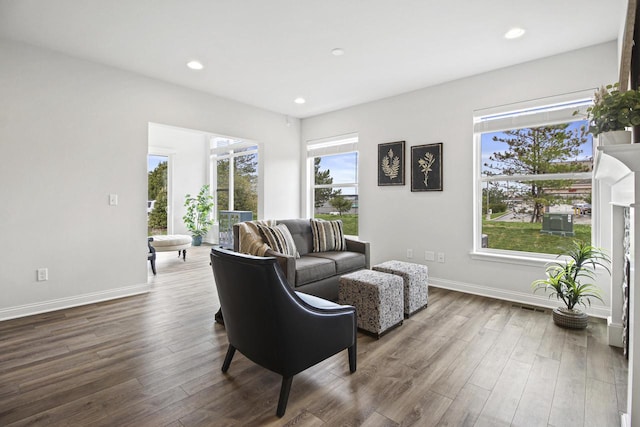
[(426, 167), (391, 163)]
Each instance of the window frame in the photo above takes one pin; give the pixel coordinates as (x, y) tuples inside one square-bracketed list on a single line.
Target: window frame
[(239, 147), (343, 144), (530, 114)]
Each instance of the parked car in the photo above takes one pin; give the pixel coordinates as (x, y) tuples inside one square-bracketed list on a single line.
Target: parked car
[(583, 208)]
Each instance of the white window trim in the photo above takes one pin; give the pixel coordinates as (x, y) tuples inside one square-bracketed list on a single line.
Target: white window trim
[(169, 154), (341, 144), (580, 100)]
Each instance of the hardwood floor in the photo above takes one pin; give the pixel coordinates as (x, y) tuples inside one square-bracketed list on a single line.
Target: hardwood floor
[(155, 360)]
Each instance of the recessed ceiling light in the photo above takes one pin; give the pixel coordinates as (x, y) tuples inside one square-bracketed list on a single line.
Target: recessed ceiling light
[(514, 33), (299, 100), (337, 51), (195, 65)]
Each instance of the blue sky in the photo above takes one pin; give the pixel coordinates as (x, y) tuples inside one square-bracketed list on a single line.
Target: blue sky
[(341, 167), (153, 161)]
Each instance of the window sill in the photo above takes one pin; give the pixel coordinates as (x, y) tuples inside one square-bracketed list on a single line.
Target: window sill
[(519, 258)]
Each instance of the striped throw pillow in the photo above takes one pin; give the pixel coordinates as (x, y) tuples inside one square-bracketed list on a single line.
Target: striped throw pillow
[(327, 235), (279, 239)]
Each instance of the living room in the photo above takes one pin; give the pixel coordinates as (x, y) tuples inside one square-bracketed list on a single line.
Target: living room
[(75, 131)]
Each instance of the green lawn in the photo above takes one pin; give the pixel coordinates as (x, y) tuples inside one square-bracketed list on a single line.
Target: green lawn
[(515, 236), (525, 236), (349, 222)]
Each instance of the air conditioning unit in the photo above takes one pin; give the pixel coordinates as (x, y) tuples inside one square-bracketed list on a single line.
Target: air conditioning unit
[(558, 224)]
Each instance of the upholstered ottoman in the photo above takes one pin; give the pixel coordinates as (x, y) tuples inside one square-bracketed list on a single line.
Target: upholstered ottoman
[(416, 283), (377, 297), (172, 242)]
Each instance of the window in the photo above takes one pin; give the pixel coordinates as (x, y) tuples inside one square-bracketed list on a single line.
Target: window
[(333, 166), (157, 197), (234, 175), (533, 179)]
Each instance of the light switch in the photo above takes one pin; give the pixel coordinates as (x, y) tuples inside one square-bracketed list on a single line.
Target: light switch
[(113, 199)]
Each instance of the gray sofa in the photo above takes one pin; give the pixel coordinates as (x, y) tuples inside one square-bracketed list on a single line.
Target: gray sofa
[(316, 273)]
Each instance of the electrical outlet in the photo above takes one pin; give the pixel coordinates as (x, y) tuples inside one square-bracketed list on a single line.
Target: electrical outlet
[(429, 256), (409, 253), (43, 274), (440, 256)]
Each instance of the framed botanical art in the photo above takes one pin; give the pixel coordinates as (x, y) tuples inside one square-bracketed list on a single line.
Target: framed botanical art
[(426, 167), (391, 163)]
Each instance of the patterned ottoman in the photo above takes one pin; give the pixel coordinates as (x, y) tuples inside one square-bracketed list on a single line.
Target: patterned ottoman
[(377, 297), (416, 283)]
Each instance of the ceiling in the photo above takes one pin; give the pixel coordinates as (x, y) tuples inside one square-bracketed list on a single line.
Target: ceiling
[(266, 53)]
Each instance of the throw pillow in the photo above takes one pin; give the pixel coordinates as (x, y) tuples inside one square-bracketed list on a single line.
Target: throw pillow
[(279, 239), (328, 235)]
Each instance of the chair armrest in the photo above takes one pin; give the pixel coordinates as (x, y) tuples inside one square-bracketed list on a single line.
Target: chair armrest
[(320, 303), (287, 263), (361, 247), (318, 327)]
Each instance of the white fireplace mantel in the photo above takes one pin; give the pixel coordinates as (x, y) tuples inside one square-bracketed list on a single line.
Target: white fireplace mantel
[(617, 167)]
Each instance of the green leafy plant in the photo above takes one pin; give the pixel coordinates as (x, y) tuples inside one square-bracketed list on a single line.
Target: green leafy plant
[(564, 278), (198, 217), (613, 110)]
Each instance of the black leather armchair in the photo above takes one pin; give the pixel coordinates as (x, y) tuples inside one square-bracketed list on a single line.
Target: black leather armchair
[(275, 327)]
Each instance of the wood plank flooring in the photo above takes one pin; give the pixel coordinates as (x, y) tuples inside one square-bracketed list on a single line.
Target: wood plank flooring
[(155, 359)]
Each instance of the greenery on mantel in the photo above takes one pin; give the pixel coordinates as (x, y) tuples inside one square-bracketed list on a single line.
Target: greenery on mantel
[(613, 110)]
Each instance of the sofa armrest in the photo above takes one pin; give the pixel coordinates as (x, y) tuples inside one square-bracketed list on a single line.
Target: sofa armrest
[(361, 247), (287, 263)]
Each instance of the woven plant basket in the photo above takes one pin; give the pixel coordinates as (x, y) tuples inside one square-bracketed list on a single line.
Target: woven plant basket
[(574, 319)]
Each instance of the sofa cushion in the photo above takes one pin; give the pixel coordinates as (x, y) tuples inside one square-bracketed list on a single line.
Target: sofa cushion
[(249, 240), (309, 269), (345, 261), (327, 235), (279, 239), (300, 230)]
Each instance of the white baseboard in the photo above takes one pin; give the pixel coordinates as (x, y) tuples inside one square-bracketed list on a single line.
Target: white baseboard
[(62, 303), (625, 421), (615, 332), (514, 296)]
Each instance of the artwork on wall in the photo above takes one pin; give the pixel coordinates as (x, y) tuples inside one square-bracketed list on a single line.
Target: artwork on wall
[(391, 163), (426, 167)]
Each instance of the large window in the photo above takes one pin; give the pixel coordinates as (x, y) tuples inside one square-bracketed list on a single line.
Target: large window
[(333, 164), (234, 173), (534, 179)]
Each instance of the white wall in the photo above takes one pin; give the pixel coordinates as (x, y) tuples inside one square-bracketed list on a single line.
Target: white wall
[(394, 219), (71, 133)]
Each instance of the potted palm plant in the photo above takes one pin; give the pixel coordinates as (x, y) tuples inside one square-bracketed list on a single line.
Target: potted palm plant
[(198, 217), (565, 281), (612, 113)]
